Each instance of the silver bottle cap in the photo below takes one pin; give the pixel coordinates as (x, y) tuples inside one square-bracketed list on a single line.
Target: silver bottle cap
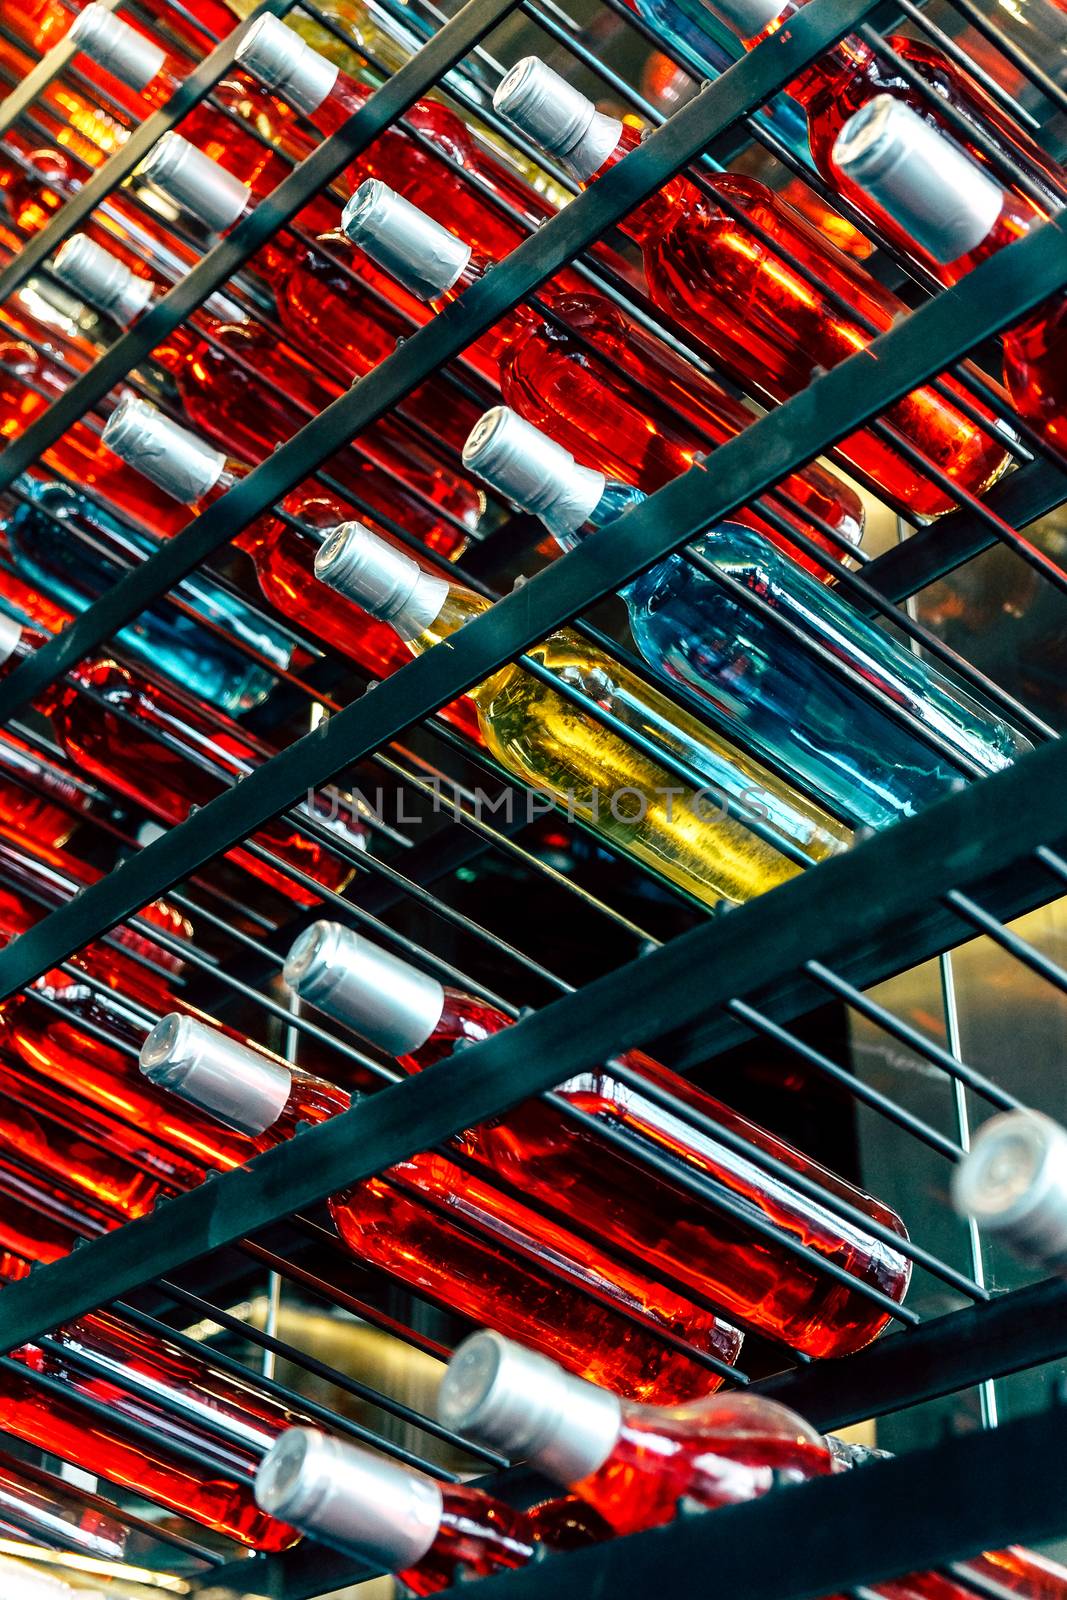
[(284, 61), (523, 1403), (101, 279), (532, 470), (747, 17), (10, 634), (924, 181), (564, 121), (1013, 1182), (235, 1083), (414, 249), (385, 1000), (177, 462), (353, 1497), (195, 182), (117, 47), (380, 578)]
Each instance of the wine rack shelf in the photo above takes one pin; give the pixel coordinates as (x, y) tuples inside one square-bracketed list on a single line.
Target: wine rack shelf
[(694, 984)]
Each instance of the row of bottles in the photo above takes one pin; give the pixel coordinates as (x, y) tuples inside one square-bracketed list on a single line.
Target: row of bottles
[(627, 1467)]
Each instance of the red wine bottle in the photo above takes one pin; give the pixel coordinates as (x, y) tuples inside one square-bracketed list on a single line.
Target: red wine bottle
[(958, 216), (447, 1234), (134, 67), (764, 324), (417, 1019), (432, 1535), (634, 1464)]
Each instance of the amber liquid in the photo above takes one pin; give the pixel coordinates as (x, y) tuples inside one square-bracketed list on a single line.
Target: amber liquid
[(557, 748), (746, 1275)]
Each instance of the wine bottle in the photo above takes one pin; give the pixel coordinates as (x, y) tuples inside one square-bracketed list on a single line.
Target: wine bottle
[(560, 749), (218, 370), (633, 1463), (142, 75), (415, 1018), (118, 1355), (430, 1534), (786, 705), (446, 1233), (167, 754), (764, 324), (951, 208), (1013, 1183), (38, 801), (189, 470), (70, 549), (41, 23), (30, 380), (613, 413), (38, 1508), (851, 74)]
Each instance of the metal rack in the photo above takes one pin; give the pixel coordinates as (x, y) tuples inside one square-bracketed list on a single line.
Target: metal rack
[(993, 851)]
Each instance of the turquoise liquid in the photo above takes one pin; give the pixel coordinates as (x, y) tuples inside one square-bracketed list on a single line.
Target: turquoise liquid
[(77, 557), (779, 700)]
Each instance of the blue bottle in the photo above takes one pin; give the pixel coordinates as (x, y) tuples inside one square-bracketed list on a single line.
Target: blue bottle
[(775, 696), (71, 550), (708, 46)]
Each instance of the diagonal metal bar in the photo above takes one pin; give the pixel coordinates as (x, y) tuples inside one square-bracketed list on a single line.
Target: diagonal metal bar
[(1025, 1328), (435, 344), (927, 341), (118, 166), (960, 842)]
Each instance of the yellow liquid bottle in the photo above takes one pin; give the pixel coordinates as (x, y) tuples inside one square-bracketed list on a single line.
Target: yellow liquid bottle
[(560, 749)]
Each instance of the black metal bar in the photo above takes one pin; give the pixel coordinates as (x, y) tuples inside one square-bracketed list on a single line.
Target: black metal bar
[(1025, 1328)]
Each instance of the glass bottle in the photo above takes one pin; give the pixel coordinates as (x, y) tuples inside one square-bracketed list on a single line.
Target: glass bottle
[(60, 1426), (187, 469), (487, 1257), (415, 1018), (1013, 1184), (862, 762), (29, 382), (956, 214), (633, 1463), (848, 76), (558, 748), (765, 326), (37, 800), (43, 22), (167, 754), (613, 414), (431, 1534), (72, 550)]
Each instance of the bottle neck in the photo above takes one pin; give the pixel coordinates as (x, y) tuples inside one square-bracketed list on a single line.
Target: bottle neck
[(848, 55), (654, 215)]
